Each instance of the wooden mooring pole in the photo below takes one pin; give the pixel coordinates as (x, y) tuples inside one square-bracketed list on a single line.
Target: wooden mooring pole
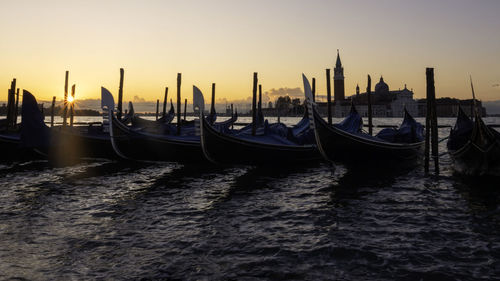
[(72, 106), (431, 128), (179, 78), (313, 90), (165, 102), (157, 108), (52, 111), (329, 96), (254, 103), (185, 108), (232, 115), (120, 96), (16, 108), (11, 103), (369, 98), (65, 110), (259, 104), (212, 105)]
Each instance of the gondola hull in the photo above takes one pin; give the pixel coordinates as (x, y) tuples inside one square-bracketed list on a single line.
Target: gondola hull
[(472, 160), (226, 149), (11, 148), (80, 142), (136, 145), (480, 155), (338, 145)]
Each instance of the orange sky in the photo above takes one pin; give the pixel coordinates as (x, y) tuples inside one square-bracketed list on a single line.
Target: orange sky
[(226, 41)]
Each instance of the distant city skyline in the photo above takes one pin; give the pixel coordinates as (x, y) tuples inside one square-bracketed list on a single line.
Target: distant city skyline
[(224, 42)]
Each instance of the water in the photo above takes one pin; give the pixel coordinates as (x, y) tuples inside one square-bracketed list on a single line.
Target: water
[(116, 220)]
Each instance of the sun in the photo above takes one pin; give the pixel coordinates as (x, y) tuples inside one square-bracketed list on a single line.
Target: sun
[(70, 99)]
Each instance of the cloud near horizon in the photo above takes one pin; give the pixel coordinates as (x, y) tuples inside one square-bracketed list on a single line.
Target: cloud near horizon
[(138, 99), (274, 94)]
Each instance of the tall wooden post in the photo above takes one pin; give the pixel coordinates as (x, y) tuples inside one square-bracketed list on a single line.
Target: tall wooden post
[(72, 106), (165, 102), (232, 115), (329, 96), (212, 106), (313, 90), (259, 105), (65, 110), (434, 125), (431, 121), (254, 101), (52, 109), (11, 104), (16, 108), (157, 108), (427, 135), (185, 108), (120, 96), (369, 97), (179, 103)]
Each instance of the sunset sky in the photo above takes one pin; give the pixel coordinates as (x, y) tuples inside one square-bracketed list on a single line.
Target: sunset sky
[(226, 41)]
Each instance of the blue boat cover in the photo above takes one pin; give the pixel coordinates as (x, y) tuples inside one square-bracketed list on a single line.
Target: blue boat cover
[(461, 132), (277, 133), (410, 131), (353, 123)]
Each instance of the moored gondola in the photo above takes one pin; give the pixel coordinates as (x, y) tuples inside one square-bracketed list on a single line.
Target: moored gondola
[(268, 146), (136, 144), (474, 147), (61, 144), (345, 142)]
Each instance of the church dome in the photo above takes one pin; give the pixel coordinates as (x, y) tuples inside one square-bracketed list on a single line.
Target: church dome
[(381, 87)]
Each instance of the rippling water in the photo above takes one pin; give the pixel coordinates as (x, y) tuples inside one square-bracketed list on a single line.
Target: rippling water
[(121, 220)]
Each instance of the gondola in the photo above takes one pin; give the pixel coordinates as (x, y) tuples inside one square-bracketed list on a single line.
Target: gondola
[(269, 145), (9, 141), (474, 147), (136, 121), (138, 144), (345, 142), (61, 144), (11, 148)]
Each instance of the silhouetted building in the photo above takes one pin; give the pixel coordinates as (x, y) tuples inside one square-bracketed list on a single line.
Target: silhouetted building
[(448, 107), (338, 80)]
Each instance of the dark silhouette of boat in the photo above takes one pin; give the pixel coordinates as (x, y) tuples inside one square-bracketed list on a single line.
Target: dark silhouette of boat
[(273, 143), (61, 144), (345, 142), (134, 120), (11, 147), (474, 147), (138, 144)]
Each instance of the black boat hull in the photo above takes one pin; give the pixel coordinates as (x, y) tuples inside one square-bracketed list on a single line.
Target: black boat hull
[(11, 148), (135, 145), (337, 145), (72, 143), (226, 149), (480, 155)]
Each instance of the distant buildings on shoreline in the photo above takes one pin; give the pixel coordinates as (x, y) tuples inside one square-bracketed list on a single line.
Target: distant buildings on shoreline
[(386, 102)]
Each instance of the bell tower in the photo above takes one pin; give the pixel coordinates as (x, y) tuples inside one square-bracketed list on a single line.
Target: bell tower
[(338, 80)]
